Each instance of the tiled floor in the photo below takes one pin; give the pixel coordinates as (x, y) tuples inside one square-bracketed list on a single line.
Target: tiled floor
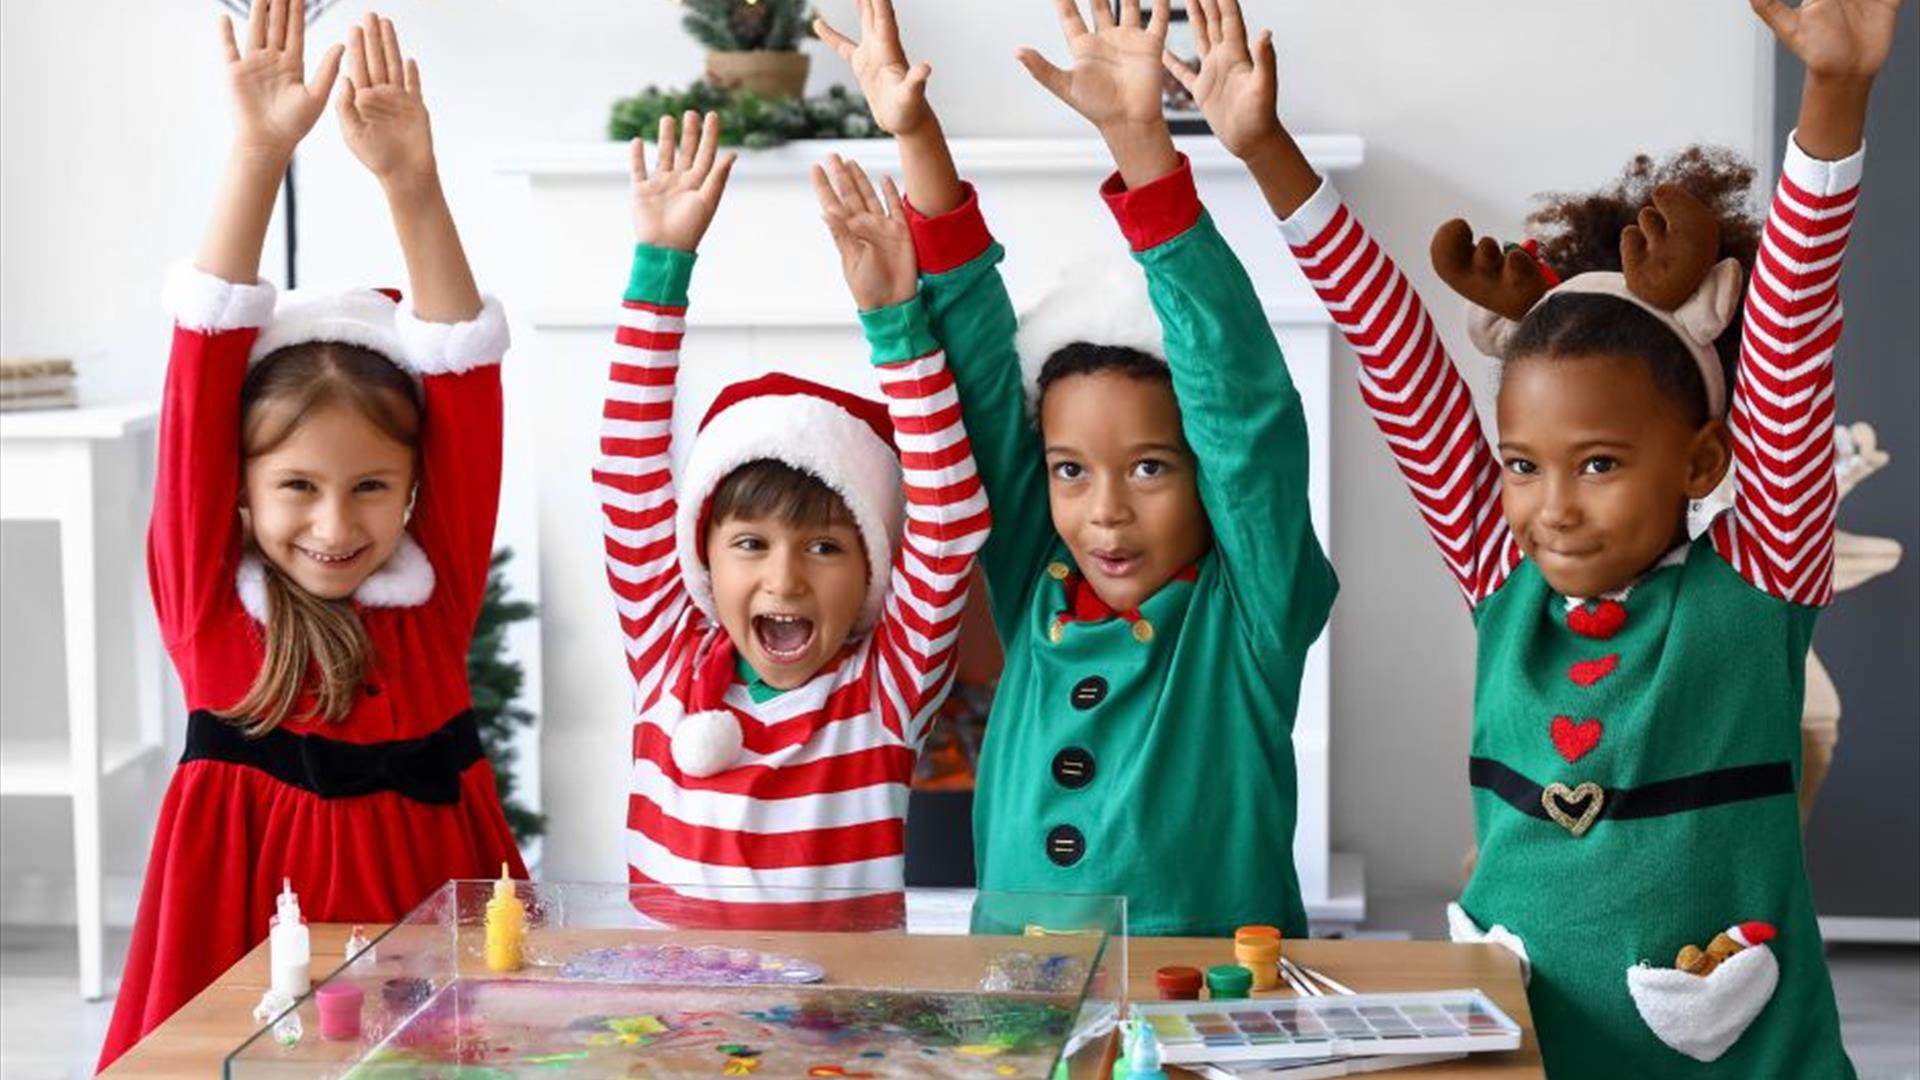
[(48, 1033)]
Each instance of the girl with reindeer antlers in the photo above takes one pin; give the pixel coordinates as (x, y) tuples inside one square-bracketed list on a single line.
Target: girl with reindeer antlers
[(1636, 727)]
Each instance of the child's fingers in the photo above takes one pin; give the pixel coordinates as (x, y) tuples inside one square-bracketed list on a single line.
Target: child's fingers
[(837, 41), (689, 139), (413, 78), (327, 72), (1202, 19), (1265, 63), (883, 17), (917, 77), (663, 155), (390, 47), (375, 53), (277, 25), (297, 27), (896, 206), (1779, 17), (637, 158), (1233, 29), (1070, 20), (709, 147), (257, 25), (357, 59), (715, 184), (1178, 68), (830, 185), (1056, 81), (227, 39), (862, 186), (1102, 13), (1162, 15)]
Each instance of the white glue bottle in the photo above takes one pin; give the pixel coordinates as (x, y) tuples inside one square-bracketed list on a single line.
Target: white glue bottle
[(289, 948)]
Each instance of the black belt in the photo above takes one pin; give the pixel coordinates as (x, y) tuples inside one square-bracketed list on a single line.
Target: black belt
[(425, 770), (1576, 807)]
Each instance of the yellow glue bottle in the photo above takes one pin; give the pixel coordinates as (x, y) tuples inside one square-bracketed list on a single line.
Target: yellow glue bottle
[(506, 926)]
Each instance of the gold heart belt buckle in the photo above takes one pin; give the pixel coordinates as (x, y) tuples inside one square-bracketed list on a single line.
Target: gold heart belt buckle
[(1574, 808)]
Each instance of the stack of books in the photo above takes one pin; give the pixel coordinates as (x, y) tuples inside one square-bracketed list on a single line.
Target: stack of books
[(35, 384)]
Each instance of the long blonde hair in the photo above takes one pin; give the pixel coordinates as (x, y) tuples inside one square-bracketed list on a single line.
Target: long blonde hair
[(312, 644)]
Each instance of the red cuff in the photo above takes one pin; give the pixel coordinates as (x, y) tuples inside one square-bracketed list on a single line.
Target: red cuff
[(950, 240), (1154, 213)]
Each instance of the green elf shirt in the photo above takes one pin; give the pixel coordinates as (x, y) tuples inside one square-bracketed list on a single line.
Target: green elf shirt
[(1147, 754)]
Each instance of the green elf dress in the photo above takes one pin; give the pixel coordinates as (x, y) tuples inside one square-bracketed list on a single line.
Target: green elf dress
[(1635, 755), (1144, 753)]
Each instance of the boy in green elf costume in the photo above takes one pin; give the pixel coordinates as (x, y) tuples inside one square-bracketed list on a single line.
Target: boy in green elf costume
[(1637, 702), (1153, 573)]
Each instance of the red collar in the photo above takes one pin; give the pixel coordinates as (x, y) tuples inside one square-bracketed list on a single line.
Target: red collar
[(1085, 605)]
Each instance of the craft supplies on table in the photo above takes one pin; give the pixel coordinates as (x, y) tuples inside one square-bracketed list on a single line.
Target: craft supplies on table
[(1275, 1029)]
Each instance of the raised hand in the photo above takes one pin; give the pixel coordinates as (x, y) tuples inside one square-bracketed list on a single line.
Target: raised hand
[(382, 115), (896, 91), (673, 205), (876, 249), (1235, 87), (1115, 78), (273, 103), (1834, 38)]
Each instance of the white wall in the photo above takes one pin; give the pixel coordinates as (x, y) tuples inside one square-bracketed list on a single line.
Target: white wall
[(113, 124)]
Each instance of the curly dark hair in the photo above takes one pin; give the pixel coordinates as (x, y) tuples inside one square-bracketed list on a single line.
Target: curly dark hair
[(1580, 232), (1086, 358)]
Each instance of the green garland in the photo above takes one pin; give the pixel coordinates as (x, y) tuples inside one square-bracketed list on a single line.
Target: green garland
[(746, 118)]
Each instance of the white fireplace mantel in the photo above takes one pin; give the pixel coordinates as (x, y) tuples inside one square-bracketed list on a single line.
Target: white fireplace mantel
[(768, 293)]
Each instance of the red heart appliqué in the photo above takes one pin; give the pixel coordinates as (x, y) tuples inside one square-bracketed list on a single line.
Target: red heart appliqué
[(1588, 672), (1602, 622), (1574, 740)]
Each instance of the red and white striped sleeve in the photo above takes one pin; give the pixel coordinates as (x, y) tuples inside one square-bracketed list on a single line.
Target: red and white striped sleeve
[(1420, 403), (947, 521), (634, 475), (1779, 534)]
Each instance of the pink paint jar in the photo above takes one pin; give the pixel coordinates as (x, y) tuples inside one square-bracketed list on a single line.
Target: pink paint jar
[(339, 1005)]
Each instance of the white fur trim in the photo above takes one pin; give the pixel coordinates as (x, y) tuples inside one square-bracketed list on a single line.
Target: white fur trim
[(705, 743), (430, 348), (1462, 928), (200, 301), (1702, 1016), (807, 433), (405, 580), (360, 317), (1101, 300)]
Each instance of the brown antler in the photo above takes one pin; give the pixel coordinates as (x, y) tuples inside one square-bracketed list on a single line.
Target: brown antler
[(1507, 283), (1667, 255)]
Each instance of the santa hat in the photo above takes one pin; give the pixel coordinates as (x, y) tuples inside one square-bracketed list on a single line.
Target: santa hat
[(1100, 300), (842, 439)]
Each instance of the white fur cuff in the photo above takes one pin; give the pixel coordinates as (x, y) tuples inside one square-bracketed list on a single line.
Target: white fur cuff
[(430, 348), (200, 301)]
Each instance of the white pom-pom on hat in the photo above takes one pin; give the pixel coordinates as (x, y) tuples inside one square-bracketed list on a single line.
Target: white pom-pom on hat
[(706, 743), (1101, 300)]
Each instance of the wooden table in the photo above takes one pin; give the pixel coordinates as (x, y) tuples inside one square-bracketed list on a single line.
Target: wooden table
[(194, 1041)]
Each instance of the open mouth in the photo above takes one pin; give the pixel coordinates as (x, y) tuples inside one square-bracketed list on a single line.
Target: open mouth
[(1114, 562), (329, 560), (784, 638)]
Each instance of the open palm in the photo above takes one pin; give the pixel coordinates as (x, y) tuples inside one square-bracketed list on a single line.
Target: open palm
[(895, 90), (382, 114), (675, 202), (1116, 74), (1235, 87), (876, 247), (1836, 38), (274, 104)]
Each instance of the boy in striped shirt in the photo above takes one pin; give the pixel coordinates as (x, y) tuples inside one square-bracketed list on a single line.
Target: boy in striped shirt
[(791, 602)]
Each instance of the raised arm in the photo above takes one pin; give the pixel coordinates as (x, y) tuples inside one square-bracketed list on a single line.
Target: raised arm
[(947, 515), (1420, 403), (1779, 535), (672, 208), (219, 305), (967, 306), (452, 339)]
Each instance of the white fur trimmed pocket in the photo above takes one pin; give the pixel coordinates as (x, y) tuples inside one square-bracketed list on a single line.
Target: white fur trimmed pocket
[(1702, 1015), (1461, 928)]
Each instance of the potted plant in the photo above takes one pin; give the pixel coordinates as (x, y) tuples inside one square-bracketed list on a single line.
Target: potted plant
[(755, 44)]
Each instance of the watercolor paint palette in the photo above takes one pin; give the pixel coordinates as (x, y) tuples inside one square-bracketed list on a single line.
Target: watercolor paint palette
[(1269, 1029)]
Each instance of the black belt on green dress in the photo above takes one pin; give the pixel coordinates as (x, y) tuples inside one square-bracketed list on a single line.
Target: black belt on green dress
[(1577, 806), (425, 770)]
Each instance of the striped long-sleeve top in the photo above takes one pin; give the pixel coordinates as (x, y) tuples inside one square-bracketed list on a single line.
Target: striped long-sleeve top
[(818, 797)]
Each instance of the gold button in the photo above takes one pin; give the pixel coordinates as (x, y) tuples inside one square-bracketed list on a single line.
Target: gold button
[(1057, 571), (1142, 631), (1057, 632)]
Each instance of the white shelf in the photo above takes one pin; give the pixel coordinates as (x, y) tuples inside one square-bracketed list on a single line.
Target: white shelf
[(35, 766), (81, 422)]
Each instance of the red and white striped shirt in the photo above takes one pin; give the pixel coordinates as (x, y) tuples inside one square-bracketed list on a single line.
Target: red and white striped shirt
[(1778, 534), (818, 798)]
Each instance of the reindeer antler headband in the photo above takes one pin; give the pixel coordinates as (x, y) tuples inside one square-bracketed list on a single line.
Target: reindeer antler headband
[(1670, 273)]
